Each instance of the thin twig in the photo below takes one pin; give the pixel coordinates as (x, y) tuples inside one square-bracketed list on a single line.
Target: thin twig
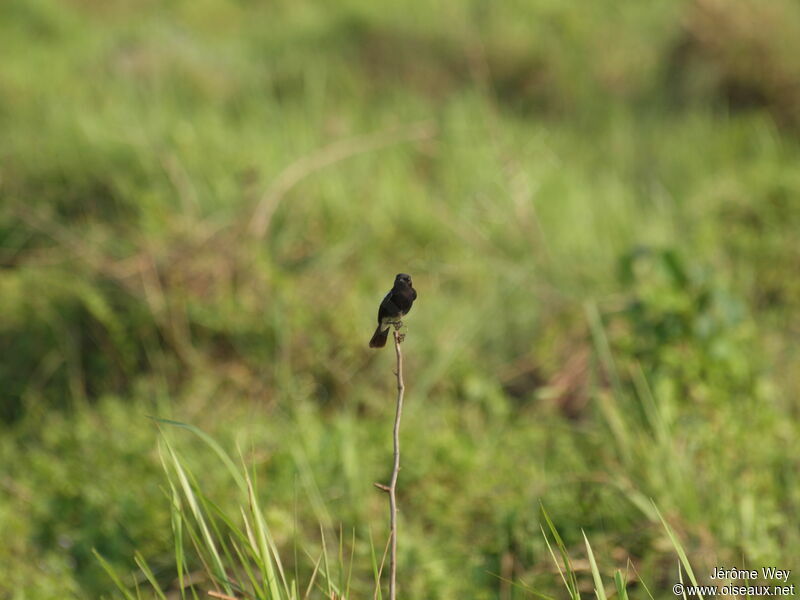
[(383, 562), (391, 489), (214, 594), (396, 469)]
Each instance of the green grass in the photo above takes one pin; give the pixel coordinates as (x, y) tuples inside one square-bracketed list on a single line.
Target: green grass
[(598, 205), (239, 555)]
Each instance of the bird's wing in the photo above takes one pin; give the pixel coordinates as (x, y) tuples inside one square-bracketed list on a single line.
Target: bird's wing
[(387, 307)]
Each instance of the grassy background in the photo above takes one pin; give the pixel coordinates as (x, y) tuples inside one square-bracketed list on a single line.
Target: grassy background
[(598, 203)]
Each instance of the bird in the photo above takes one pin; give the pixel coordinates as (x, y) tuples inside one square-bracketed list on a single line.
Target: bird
[(393, 308)]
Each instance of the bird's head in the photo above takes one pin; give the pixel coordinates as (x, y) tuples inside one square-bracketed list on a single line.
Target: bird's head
[(402, 279)]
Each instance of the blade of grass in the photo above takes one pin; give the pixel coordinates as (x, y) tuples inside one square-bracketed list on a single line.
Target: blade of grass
[(313, 577), (350, 567), (570, 580), (326, 570), (197, 513), (260, 535), (599, 589), (176, 519), (211, 443), (148, 573), (555, 561), (113, 575), (619, 583), (679, 549), (245, 562), (641, 581), (680, 578), (375, 571)]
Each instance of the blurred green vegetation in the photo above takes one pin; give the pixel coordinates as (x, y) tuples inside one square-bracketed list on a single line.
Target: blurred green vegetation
[(598, 202)]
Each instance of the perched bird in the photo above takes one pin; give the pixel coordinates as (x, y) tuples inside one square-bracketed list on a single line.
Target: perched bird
[(393, 308)]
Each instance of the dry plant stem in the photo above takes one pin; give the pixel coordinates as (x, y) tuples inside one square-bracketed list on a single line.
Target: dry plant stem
[(214, 594), (395, 469), (391, 489), (329, 155)]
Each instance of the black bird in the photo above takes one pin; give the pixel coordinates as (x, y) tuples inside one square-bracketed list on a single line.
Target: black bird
[(394, 307)]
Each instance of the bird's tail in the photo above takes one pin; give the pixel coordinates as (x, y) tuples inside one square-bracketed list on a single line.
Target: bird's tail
[(379, 337)]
